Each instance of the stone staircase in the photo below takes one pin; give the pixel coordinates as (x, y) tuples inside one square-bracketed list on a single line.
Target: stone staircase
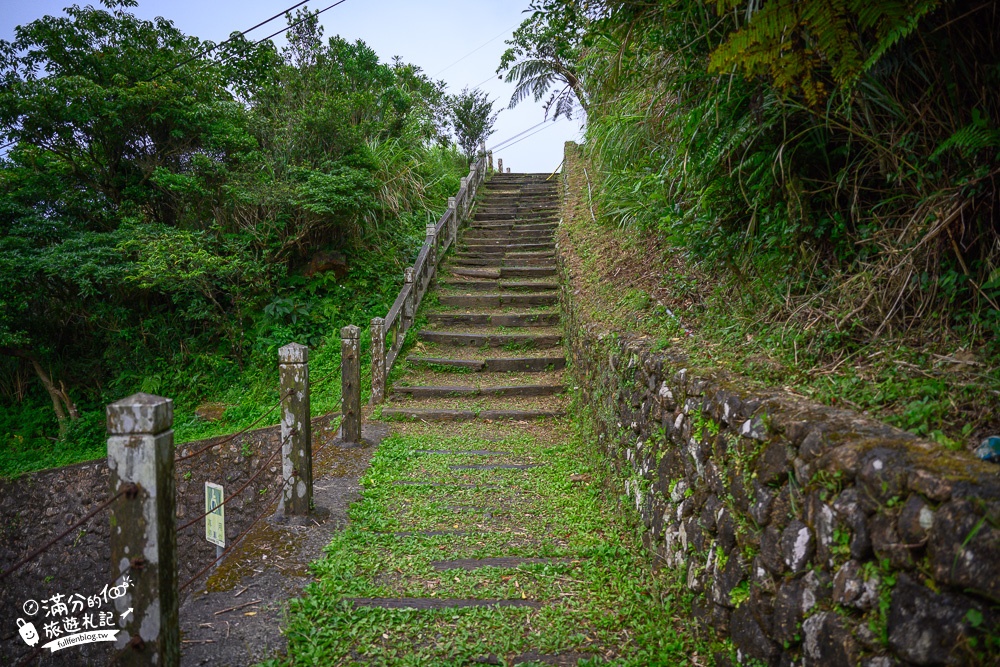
[(492, 347)]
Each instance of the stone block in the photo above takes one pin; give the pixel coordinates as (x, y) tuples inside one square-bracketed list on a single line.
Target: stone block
[(852, 589), (886, 541), (828, 642), (750, 639), (770, 550), (797, 546), (774, 464), (760, 508), (787, 611), (964, 549), (927, 628), (728, 578), (754, 428), (882, 477), (915, 520)]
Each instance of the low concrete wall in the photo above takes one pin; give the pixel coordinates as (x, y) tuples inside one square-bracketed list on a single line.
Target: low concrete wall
[(37, 506), (811, 535)]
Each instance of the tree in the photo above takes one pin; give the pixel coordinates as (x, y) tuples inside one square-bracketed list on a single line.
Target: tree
[(473, 118), (545, 53)]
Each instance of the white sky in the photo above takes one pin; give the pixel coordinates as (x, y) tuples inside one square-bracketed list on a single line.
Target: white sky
[(457, 41)]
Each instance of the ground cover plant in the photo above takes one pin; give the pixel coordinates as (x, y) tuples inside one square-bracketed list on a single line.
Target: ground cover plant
[(600, 600), (814, 182), (171, 215)]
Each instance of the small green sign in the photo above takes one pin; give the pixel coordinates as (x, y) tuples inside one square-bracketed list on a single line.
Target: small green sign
[(215, 520)]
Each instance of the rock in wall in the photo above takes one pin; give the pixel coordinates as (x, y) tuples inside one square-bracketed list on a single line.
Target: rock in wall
[(811, 535)]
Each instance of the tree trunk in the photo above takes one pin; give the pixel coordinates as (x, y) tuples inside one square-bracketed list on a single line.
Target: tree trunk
[(63, 406)]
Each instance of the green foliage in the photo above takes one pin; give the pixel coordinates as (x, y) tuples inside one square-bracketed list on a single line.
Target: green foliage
[(157, 222), (836, 161), (543, 53), (473, 118)]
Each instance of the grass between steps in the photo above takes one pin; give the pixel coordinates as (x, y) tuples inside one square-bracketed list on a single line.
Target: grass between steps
[(604, 601)]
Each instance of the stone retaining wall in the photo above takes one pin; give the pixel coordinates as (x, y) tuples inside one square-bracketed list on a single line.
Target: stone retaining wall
[(811, 535), (37, 506)]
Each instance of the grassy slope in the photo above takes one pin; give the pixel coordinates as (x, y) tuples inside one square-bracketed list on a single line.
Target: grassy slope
[(604, 601), (625, 280)]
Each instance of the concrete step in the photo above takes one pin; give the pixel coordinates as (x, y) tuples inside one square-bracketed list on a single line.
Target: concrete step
[(525, 340), (504, 236), (445, 415), (496, 285), (498, 300), (438, 603), (495, 319), (550, 255), (503, 261), (487, 216), (451, 391), (528, 364), (506, 272), (497, 249), (515, 226)]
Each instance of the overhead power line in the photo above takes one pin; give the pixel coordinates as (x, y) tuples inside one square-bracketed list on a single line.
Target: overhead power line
[(500, 144), (497, 150), (233, 38), (292, 25)]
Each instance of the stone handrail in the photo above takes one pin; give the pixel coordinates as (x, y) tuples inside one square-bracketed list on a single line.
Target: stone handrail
[(389, 333)]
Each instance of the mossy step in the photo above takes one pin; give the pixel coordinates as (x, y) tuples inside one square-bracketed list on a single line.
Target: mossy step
[(515, 226), (482, 237), (495, 285), (437, 603), (497, 216), (525, 364), (490, 340), (496, 248), (441, 415), (453, 391), (495, 319), (465, 260), (498, 300), (506, 272), (548, 254), (501, 562)]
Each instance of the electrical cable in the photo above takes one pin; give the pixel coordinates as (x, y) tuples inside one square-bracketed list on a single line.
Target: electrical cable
[(497, 150), (234, 37), (500, 144), (292, 25)]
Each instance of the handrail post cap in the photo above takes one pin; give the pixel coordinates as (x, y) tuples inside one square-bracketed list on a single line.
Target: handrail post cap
[(140, 413), (378, 321), (409, 275), (350, 332), (293, 353)]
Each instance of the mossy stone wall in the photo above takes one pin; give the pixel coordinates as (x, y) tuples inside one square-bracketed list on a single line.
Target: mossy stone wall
[(812, 535)]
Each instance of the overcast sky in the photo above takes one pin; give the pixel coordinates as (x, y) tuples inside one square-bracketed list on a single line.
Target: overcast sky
[(457, 41)]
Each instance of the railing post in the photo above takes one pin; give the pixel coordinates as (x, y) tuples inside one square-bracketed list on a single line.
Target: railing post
[(296, 430), (378, 361), (350, 378), (489, 157), (409, 278), (432, 242), (143, 535), (453, 221), (500, 165), (465, 200)]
